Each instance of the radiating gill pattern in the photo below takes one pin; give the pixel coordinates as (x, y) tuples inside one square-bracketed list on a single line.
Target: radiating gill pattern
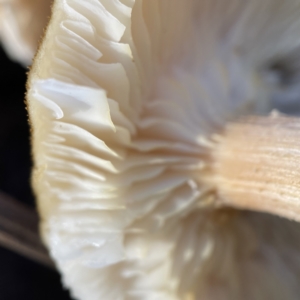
[(123, 144)]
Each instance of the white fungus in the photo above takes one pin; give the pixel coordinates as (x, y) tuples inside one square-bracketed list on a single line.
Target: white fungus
[(124, 99)]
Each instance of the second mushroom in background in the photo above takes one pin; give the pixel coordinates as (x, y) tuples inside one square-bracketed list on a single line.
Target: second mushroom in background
[(22, 24)]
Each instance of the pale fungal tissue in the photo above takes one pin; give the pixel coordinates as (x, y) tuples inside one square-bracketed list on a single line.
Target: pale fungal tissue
[(21, 26), (142, 186)]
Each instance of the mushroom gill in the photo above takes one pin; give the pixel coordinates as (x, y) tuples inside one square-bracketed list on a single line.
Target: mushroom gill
[(21, 27), (128, 101)]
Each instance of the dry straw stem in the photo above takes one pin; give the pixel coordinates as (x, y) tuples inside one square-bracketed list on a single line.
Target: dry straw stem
[(19, 230), (257, 165)]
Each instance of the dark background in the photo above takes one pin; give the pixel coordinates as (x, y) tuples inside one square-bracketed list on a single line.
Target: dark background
[(20, 278)]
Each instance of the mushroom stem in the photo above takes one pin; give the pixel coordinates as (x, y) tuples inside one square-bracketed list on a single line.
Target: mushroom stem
[(257, 165)]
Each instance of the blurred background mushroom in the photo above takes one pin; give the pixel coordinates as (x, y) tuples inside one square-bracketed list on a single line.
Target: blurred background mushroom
[(21, 27)]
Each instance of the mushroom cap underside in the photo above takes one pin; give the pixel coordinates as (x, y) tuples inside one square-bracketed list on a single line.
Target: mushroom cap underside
[(124, 99)]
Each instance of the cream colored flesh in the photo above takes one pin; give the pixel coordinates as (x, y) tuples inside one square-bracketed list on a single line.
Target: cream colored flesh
[(256, 165), (22, 23), (124, 98)]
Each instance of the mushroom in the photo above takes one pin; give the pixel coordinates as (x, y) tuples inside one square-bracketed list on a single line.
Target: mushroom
[(21, 27), (144, 147)]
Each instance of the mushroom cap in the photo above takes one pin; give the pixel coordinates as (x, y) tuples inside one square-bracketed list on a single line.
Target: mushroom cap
[(21, 26), (124, 99)]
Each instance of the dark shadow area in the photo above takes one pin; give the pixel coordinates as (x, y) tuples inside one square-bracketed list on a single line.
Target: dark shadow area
[(14, 132), (20, 278), (23, 279)]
